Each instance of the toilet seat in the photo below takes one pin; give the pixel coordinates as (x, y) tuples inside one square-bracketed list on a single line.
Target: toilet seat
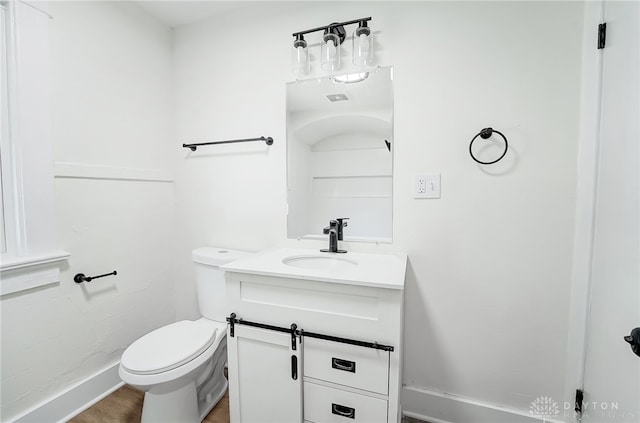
[(169, 347)]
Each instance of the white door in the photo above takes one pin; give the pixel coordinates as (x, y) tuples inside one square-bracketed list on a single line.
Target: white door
[(265, 376), (612, 370)]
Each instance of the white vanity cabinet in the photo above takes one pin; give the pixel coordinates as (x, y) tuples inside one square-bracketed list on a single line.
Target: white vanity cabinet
[(342, 361)]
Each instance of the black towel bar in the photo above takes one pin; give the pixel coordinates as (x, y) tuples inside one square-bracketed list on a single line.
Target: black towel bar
[(80, 277), (194, 147)]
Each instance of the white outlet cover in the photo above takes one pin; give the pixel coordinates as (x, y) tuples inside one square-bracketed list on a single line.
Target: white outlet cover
[(430, 183)]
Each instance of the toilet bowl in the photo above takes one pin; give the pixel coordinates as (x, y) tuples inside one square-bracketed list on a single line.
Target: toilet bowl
[(180, 367)]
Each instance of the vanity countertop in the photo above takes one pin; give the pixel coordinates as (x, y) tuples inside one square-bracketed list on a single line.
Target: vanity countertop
[(364, 269)]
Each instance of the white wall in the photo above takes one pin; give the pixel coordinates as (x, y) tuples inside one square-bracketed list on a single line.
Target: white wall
[(487, 290), (111, 88)]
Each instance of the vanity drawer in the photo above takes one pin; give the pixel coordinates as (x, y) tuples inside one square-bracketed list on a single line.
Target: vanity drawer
[(349, 365), (329, 405)]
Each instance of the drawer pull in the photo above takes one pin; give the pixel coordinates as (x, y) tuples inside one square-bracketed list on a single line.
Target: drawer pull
[(345, 365), (343, 411)]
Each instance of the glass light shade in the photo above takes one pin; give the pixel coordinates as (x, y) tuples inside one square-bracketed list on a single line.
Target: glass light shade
[(300, 58), (330, 52), (351, 78), (362, 46)]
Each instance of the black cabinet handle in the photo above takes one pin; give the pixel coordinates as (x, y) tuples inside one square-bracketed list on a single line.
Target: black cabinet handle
[(294, 367), (344, 365), (343, 411)]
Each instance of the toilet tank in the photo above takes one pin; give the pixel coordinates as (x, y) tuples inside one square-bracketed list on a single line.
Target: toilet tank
[(210, 283)]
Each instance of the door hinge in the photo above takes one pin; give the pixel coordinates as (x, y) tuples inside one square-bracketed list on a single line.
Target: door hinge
[(294, 328), (602, 35), (579, 399), (231, 320)]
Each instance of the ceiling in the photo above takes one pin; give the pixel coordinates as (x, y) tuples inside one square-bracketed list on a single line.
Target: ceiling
[(176, 12)]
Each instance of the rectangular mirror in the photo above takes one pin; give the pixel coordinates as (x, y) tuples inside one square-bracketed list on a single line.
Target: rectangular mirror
[(340, 155)]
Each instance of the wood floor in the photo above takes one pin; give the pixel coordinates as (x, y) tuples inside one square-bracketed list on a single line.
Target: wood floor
[(125, 406)]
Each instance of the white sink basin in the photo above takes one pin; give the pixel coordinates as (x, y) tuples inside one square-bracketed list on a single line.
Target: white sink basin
[(364, 269), (317, 262)]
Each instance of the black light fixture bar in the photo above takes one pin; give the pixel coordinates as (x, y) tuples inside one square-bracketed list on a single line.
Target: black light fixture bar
[(193, 147), (333, 25)]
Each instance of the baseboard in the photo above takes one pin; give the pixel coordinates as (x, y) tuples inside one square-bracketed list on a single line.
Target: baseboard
[(422, 404), (75, 399), (437, 407)]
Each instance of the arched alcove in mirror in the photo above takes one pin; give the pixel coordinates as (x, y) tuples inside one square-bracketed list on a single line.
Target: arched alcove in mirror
[(340, 155)]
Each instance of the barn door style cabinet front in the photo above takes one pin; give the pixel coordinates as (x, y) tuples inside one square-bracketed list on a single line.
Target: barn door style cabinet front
[(268, 365), (312, 350)]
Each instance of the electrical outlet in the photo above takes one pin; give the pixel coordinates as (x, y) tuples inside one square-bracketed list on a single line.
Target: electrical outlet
[(426, 186), (421, 185)]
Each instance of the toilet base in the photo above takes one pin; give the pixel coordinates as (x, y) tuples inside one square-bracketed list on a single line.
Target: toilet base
[(180, 405), (188, 404), (214, 397)]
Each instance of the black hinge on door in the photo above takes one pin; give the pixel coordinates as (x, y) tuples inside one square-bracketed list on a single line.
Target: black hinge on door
[(231, 320), (579, 399), (294, 327), (602, 35)]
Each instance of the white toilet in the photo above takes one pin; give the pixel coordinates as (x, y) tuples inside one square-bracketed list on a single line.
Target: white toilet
[(180, 367)]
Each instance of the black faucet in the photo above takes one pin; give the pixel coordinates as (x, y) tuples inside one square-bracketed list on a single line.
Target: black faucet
[(336, 232), (342, 223)]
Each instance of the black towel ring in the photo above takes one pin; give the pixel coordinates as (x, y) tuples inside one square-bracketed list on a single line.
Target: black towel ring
[(485, 134)]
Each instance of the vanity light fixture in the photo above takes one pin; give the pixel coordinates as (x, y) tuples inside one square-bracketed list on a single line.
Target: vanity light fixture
[(300, 56), (351, 78), (330, 50), (362, 45), (332, 38)]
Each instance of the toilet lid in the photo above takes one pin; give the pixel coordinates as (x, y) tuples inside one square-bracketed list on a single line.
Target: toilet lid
[(168, 347)]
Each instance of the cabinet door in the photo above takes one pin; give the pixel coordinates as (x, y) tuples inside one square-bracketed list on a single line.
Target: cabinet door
[(265, 376)]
